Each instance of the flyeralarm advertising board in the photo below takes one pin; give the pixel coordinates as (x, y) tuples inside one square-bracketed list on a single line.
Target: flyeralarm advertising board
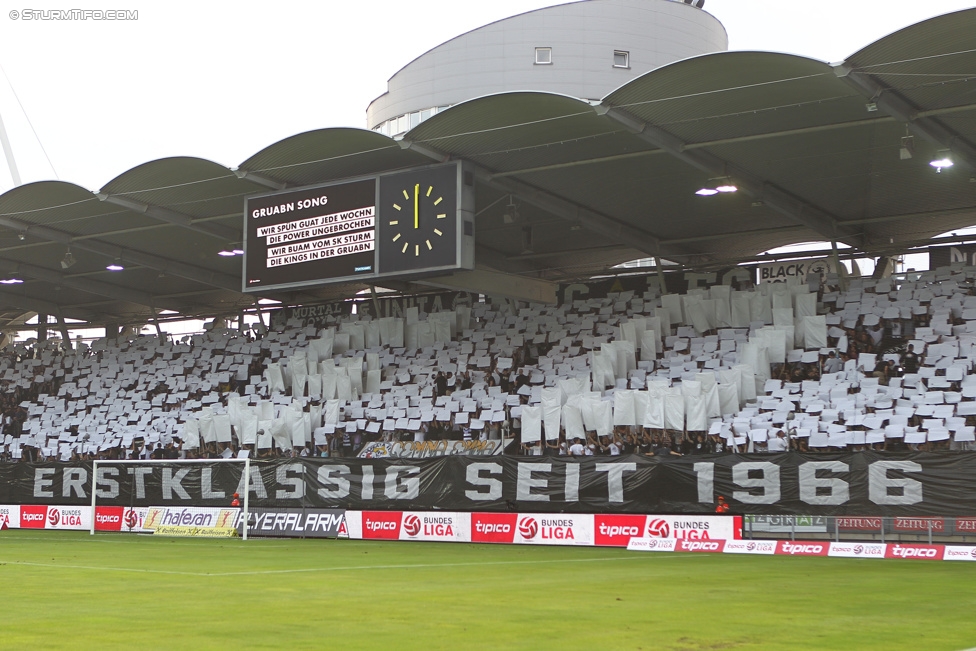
[(292, 523)]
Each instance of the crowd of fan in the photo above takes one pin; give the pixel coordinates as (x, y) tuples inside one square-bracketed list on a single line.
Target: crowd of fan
[(879, 365)]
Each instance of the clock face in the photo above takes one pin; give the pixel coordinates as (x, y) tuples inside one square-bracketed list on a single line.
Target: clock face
[(418, 220)]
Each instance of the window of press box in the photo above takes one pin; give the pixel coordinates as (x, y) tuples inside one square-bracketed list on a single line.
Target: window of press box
[(621, 59), (543, 56)]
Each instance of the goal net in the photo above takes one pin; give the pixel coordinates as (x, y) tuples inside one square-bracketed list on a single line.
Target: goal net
[(172, 497)]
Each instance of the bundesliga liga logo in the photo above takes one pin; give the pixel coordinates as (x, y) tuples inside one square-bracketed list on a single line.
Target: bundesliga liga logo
[(411, 524), (528, 527), (658, 529)]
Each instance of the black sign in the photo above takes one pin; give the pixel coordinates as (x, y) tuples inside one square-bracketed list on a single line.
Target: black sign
[(325, 314), (418, 228), (676, 282), (841, 484), (406, 223), (292, 523), (304, 236), (943, 256)]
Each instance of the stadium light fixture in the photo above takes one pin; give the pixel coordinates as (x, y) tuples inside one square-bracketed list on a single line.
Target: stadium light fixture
[(11, 281), (115, 266), (225, 253), (942, 160), (68, 260), (511, 214), (907, 148), (722, 184)]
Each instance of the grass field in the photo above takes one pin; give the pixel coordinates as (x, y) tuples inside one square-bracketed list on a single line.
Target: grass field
[(70, 590)]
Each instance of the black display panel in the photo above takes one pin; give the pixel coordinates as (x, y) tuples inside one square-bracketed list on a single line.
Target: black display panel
[(306, 236), (404, 224), (418, 225)]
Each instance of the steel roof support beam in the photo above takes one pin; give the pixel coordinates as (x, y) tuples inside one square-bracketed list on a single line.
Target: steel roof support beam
[(63, 327), (488, 257), (223, 233), (41, 306), (894, 104), (794, 208), (867, 122), (563, 208), (84, 284), (260, 179), (589, 219), (180, 269)]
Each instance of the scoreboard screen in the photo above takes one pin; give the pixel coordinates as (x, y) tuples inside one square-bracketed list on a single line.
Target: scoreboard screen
[(407, 223)]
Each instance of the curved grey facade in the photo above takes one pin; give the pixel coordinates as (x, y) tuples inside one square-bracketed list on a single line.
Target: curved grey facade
[(592, 47)]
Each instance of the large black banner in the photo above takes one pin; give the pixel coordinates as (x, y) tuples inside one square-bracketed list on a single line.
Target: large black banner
[(324, 314), (858, 484), (676, 282), (943, 256)]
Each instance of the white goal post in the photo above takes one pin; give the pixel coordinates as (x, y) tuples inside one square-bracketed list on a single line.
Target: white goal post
[(246, 479)]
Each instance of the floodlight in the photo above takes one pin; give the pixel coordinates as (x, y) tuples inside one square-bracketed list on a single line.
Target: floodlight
[(716, 185), (942, 160), (68, 260), (907, 148), (115, 266)]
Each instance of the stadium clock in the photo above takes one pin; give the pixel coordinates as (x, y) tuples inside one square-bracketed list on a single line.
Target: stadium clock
[(418, 224), (415, 233)]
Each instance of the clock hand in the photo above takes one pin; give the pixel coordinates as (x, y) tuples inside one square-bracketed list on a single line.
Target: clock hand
[(416, 208)]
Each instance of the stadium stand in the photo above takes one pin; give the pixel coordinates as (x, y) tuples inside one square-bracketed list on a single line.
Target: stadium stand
[(782, 366)]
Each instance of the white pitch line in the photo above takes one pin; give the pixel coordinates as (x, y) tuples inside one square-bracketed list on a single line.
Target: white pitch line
[(406, 566), (146, 539), (348, 568), (99, 569)]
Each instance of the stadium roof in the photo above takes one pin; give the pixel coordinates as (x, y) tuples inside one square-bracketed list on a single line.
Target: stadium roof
[(813, 147)]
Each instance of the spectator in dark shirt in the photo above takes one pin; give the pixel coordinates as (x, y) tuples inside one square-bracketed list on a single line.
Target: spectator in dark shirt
[(909, 360)]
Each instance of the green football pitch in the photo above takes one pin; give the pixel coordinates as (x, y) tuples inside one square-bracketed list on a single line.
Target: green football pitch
[(70, 590)]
